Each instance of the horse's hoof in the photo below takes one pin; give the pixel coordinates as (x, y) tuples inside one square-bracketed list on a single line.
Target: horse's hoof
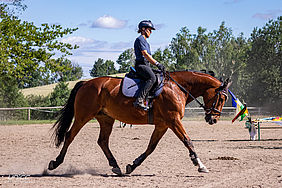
[(52, 165), (117, 171), (128, 169), (203, 170)]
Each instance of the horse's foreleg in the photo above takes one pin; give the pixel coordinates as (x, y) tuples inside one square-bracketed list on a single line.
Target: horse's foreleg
[(68, 140), (182, 135), (155, 138), (106, 125)]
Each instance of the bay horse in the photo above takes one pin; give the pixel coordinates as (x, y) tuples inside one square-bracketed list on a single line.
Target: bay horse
[(101, 98)]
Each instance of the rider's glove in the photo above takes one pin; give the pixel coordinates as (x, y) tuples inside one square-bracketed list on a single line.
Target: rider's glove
[(160, 67)]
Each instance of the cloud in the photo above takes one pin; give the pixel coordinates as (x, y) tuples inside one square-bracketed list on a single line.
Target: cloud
[(109, 22), (271, 14), (81, 41), (121, 46), (159, 26)]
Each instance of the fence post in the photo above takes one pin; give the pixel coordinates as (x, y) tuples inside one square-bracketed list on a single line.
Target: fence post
[(28, 114)]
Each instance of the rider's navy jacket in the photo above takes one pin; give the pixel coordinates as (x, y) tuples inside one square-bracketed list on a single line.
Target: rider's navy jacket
[(141, 44)]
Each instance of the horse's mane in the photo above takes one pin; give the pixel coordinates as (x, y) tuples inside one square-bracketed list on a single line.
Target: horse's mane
[(209, 75), (209, 72)]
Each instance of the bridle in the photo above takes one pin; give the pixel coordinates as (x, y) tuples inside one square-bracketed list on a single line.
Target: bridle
[(209, 111)]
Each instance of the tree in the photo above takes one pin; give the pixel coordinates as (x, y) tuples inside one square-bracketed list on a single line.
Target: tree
[(182, 50), (27, 52), (10, 96), (14, 6), (60, 94), (263, 73), (73, 71), (102, 68), (25, 48), (166, 58), (218, 51), (126, 60)]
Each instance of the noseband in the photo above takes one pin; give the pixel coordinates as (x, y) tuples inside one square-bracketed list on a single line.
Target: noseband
[(209, 111)]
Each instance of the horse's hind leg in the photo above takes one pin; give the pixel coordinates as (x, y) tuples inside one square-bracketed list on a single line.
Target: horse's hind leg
[(106, 125), (180, 132), (76, 127), (155, 138)]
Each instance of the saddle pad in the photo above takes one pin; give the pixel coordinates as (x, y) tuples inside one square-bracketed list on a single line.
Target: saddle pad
[(131, 87)]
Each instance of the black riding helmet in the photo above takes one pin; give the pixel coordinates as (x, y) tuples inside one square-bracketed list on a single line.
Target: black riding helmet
[(146, 24)]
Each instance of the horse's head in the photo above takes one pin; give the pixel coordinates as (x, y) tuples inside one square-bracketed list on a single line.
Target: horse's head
[(214, 99)]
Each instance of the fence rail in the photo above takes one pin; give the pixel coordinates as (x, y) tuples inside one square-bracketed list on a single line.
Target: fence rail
[(25, 112), (10, 111)]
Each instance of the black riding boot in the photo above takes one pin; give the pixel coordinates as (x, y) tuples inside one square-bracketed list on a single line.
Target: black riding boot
[(142, 95)]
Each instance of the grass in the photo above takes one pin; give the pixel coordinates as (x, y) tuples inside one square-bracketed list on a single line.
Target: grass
[(26, 122), (30, 122)]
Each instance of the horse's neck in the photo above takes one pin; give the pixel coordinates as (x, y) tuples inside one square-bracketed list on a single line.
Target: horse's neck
[(195, 83)]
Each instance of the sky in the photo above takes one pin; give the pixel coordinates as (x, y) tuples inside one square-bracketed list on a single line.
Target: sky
[(108, 27)]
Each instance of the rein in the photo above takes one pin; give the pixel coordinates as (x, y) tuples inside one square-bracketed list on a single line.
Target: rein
[(201, 104), (185, 91)]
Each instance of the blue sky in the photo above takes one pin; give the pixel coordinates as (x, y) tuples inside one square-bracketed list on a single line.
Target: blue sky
[(108, 27)]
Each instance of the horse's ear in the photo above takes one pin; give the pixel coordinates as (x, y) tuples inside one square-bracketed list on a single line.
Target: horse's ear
[(227, 83)]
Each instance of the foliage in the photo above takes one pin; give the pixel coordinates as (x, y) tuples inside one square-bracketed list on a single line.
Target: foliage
[(26, 54), (10, 95), (58, 97), (218, 51), (166, 58), (263, 74), (60, 94), (126, 60), (102, 68), (14, 6), (71, 73), (25, 48), (38, 100)]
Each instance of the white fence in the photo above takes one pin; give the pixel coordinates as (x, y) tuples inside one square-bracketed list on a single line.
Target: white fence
[(226, 111), (6, 113), (25, 112)]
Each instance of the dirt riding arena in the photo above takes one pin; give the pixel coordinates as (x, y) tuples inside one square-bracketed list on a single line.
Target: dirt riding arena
[(225, 149)]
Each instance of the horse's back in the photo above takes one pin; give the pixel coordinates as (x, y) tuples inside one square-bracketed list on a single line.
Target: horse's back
[(94, 92)]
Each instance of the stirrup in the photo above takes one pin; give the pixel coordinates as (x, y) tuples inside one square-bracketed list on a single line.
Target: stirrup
[(139, 104)]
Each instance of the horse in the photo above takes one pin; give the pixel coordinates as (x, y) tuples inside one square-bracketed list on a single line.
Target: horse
[(101, 98)]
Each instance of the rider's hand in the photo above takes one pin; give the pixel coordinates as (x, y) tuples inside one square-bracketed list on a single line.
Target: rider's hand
[(160, 66)]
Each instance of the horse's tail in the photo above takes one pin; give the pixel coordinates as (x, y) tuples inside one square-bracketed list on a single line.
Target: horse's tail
[(66, 114)]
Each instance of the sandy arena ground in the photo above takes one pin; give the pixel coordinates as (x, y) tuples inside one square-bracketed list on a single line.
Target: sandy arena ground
[(225, 149)]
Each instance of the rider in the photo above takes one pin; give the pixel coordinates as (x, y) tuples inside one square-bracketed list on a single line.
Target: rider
[(143, 60)]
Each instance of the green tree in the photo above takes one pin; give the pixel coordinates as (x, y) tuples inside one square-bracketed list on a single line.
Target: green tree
[(166, 58), (73, 71), (26, 51), (60, 94), (102, 68), (182, 49), (10, 96), (126, 60), (218, 51), (25, 48), (263, 73)]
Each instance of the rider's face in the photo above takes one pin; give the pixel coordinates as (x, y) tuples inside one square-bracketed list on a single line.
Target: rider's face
[(148, 32)]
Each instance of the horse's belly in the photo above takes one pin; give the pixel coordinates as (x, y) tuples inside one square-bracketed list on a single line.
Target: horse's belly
[(123, 110)]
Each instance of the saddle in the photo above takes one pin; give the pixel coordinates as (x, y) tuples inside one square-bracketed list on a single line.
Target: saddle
[(132, 83)]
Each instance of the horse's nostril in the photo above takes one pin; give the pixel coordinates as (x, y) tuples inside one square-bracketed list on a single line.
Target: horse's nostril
[(214, 120), (210, 121)]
